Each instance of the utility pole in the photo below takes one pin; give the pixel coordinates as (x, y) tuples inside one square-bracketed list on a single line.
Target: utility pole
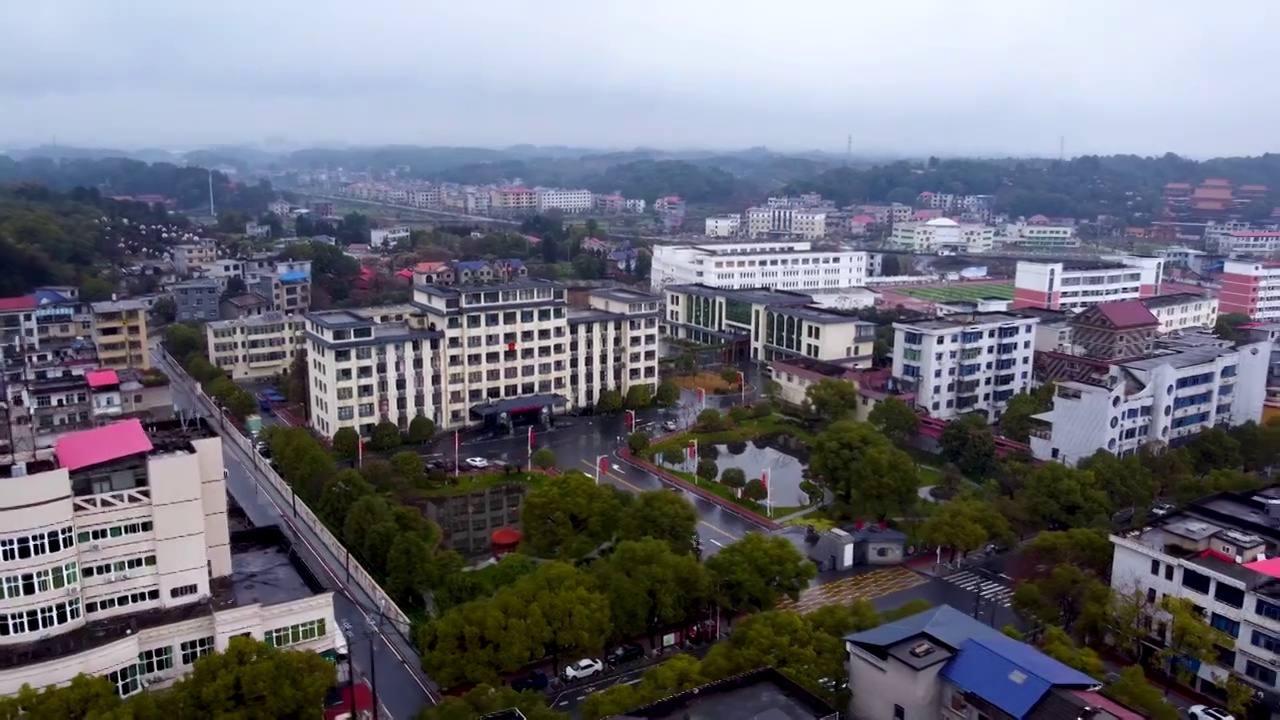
[(212, 212)]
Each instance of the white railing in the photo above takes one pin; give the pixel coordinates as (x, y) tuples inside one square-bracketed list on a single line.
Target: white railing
[(355, 572)]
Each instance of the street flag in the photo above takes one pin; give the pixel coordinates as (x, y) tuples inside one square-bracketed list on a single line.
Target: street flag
[(693, 449), (768, 492), (360, 451), (457, 444), (604, 464), (702, 397)]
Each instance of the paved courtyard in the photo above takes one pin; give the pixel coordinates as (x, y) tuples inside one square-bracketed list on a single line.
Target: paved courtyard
[(863, 586)]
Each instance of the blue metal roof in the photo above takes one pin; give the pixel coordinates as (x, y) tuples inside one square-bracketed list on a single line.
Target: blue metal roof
[(944, 624), (294, 277), (1009, 674)]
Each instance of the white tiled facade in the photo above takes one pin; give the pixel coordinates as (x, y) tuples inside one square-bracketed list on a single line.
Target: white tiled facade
[(570, 201), (1035, 235), (723, 226), (789, 265), (462, 347), (1074, 286), (1162, 398), (810, 224), (965, 363), (258, 346), (114, 540), (388, 237), (1184, 311), (942, 234)]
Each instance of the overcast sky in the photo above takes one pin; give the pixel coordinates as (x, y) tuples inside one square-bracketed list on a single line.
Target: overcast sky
[(916, 76)]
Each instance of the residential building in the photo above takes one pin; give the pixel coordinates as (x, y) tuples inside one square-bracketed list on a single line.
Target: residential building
[(943, 663), (136, 574), (189, 255), (942, 235), (1249, 243), (766, 325), (256, 346), (120, 334), (1075, 285), (257, 230), (513, 201), (288, 292), (476, 201), (762, 693), (568, 201), (1168, 396), (1037, 234), (610, 204), (1250, 288), (467, 272), (965, 363), (723, 225), (782, 265), (492, 353), (197, 300), (795, 375), (280, 208), (785, 220), (1184, 257), (1114, 330), (1219, 553), (381, 238), (240, 306), (636, 206), (1183, 311)]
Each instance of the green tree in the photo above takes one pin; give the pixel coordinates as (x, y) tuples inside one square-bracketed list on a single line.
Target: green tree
[(639, 397), (897, 420), (967, 441), (1228, 326), (408, 568), (1133, 690), (385, 436), (476, 642), (304, 463), (346, 442), (638, 441), (685, 364), (674, 456), (755, 489), (711, 420), (421, 429), (729, 375), (757, 571), (340, 492), (485, 700), (544, 458), (1059, 646), (831, 399), (668, 393), (1125, 481), (965, 525), (240, 403), (86, 697), (1213, 449), (650, 587), (610, 401), (569, 517), (366, 514), (707, 469), (733, 477), (562, 608), (408, 465), (1015, 422), (1086, 548), (96, 290), (1058, 497), (1067, 595), (864, 470), (1189, 639), (251, 678), (183, 340), (661, 515), (1259, 445), (784, 640)]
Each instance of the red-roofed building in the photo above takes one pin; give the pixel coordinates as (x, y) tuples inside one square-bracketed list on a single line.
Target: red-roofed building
[(1114, 330), (101, 378), (1250, 288), (102, 445), (17, 304)]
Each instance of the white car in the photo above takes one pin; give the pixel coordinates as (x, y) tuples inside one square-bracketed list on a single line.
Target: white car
[(669, 425), (1204, 712), (478, 463), (583, 669)]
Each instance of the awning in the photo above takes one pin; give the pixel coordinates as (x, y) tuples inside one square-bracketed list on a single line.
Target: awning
[(520, 404)]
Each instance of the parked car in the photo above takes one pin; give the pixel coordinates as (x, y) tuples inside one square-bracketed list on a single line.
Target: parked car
[(536, 681), (624, 653), (669, 425), (1161, 509), (478, 463), (1204, 712), (583, 669)]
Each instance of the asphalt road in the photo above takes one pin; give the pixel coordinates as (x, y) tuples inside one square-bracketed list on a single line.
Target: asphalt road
[(401, 686)]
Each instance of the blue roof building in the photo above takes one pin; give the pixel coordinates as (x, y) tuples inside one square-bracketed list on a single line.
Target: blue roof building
[(943, 663)]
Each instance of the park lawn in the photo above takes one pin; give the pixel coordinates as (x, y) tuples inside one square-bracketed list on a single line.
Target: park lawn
[(744, 431), (723, 491), (959, 293), (711, 382)]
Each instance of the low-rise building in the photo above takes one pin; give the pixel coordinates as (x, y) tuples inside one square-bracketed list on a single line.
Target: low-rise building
[(965, 363), (942, 235), (1038, 234), (1114, 331), (723, 225), (569, 201), (288, 292), (1250, 288), (468, 515), (256, 346), (794, 377), (132, 572), (783, 220), (388, 237), (242, 306), (120, 334), (190, 255), (1168, 396), (781, 265), (1183, 311), (513, 201), (1075, 285), (197, 300)]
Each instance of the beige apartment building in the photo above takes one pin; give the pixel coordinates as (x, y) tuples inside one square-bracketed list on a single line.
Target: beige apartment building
[(116, 560), (257, 346), (120, 334), (480, 353)]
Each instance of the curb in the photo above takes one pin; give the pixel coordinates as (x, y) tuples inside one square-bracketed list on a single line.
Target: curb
[(753, 517)]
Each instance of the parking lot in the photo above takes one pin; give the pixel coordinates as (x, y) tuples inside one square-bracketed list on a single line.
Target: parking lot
[(863, 586)]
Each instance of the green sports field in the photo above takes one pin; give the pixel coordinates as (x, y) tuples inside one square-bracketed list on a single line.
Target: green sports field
[(958, 292)]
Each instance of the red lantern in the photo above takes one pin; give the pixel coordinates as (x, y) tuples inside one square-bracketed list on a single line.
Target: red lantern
[(511, 347)]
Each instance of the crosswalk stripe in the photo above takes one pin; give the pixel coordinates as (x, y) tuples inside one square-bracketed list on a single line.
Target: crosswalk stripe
[(983, 587)]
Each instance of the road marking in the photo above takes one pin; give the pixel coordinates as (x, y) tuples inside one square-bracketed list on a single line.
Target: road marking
[(637, 489), (631, 682), (716, 542)]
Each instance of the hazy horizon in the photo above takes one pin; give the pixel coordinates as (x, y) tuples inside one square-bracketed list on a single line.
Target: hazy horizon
[(988, 78)]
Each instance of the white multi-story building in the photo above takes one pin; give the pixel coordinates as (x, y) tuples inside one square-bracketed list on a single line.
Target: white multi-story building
[(1214, 233), (388, 237), (1219, 553), (466, 354), (258, 346), (942, 234), (635, 205), (786, 265), (569, 201), (1251, 288), (1076, 285), (723, 225), (116, 560), (1039, 236), (963, 363), (785, 220), (1248, 242), (1183, 311), (1166, 397)]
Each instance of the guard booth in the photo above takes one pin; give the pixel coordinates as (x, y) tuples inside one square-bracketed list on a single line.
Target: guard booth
[(502, 417)]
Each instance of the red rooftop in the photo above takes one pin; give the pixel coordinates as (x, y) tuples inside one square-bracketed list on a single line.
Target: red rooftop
[(103, 444)]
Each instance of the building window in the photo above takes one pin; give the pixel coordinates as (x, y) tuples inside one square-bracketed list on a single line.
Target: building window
[(1228, 595), (195, 649), (125, 679), (34, 545), (37, 619), (1264, 675), (184, 590), (899, 713), (1194, 581), (1155, 567), (156, 660), (295, 634), (1225, 624)]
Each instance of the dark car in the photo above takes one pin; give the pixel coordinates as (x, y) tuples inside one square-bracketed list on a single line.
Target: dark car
[(624, 653), (536, 681)]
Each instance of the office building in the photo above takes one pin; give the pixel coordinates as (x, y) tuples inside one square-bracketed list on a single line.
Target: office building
[(256, 346), (567, 201), (942, 235), (382, 238), (481, 353), (512, 201), (1183, 311), (785, 220), (965, 363), (1250, 288), (1219, 553), (781, 265), (941, 663), (766, 325), (197, 300), (1038, 234), (120, 334), (1075, 285), (723, 226), (1169, 396), (118, 562)]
